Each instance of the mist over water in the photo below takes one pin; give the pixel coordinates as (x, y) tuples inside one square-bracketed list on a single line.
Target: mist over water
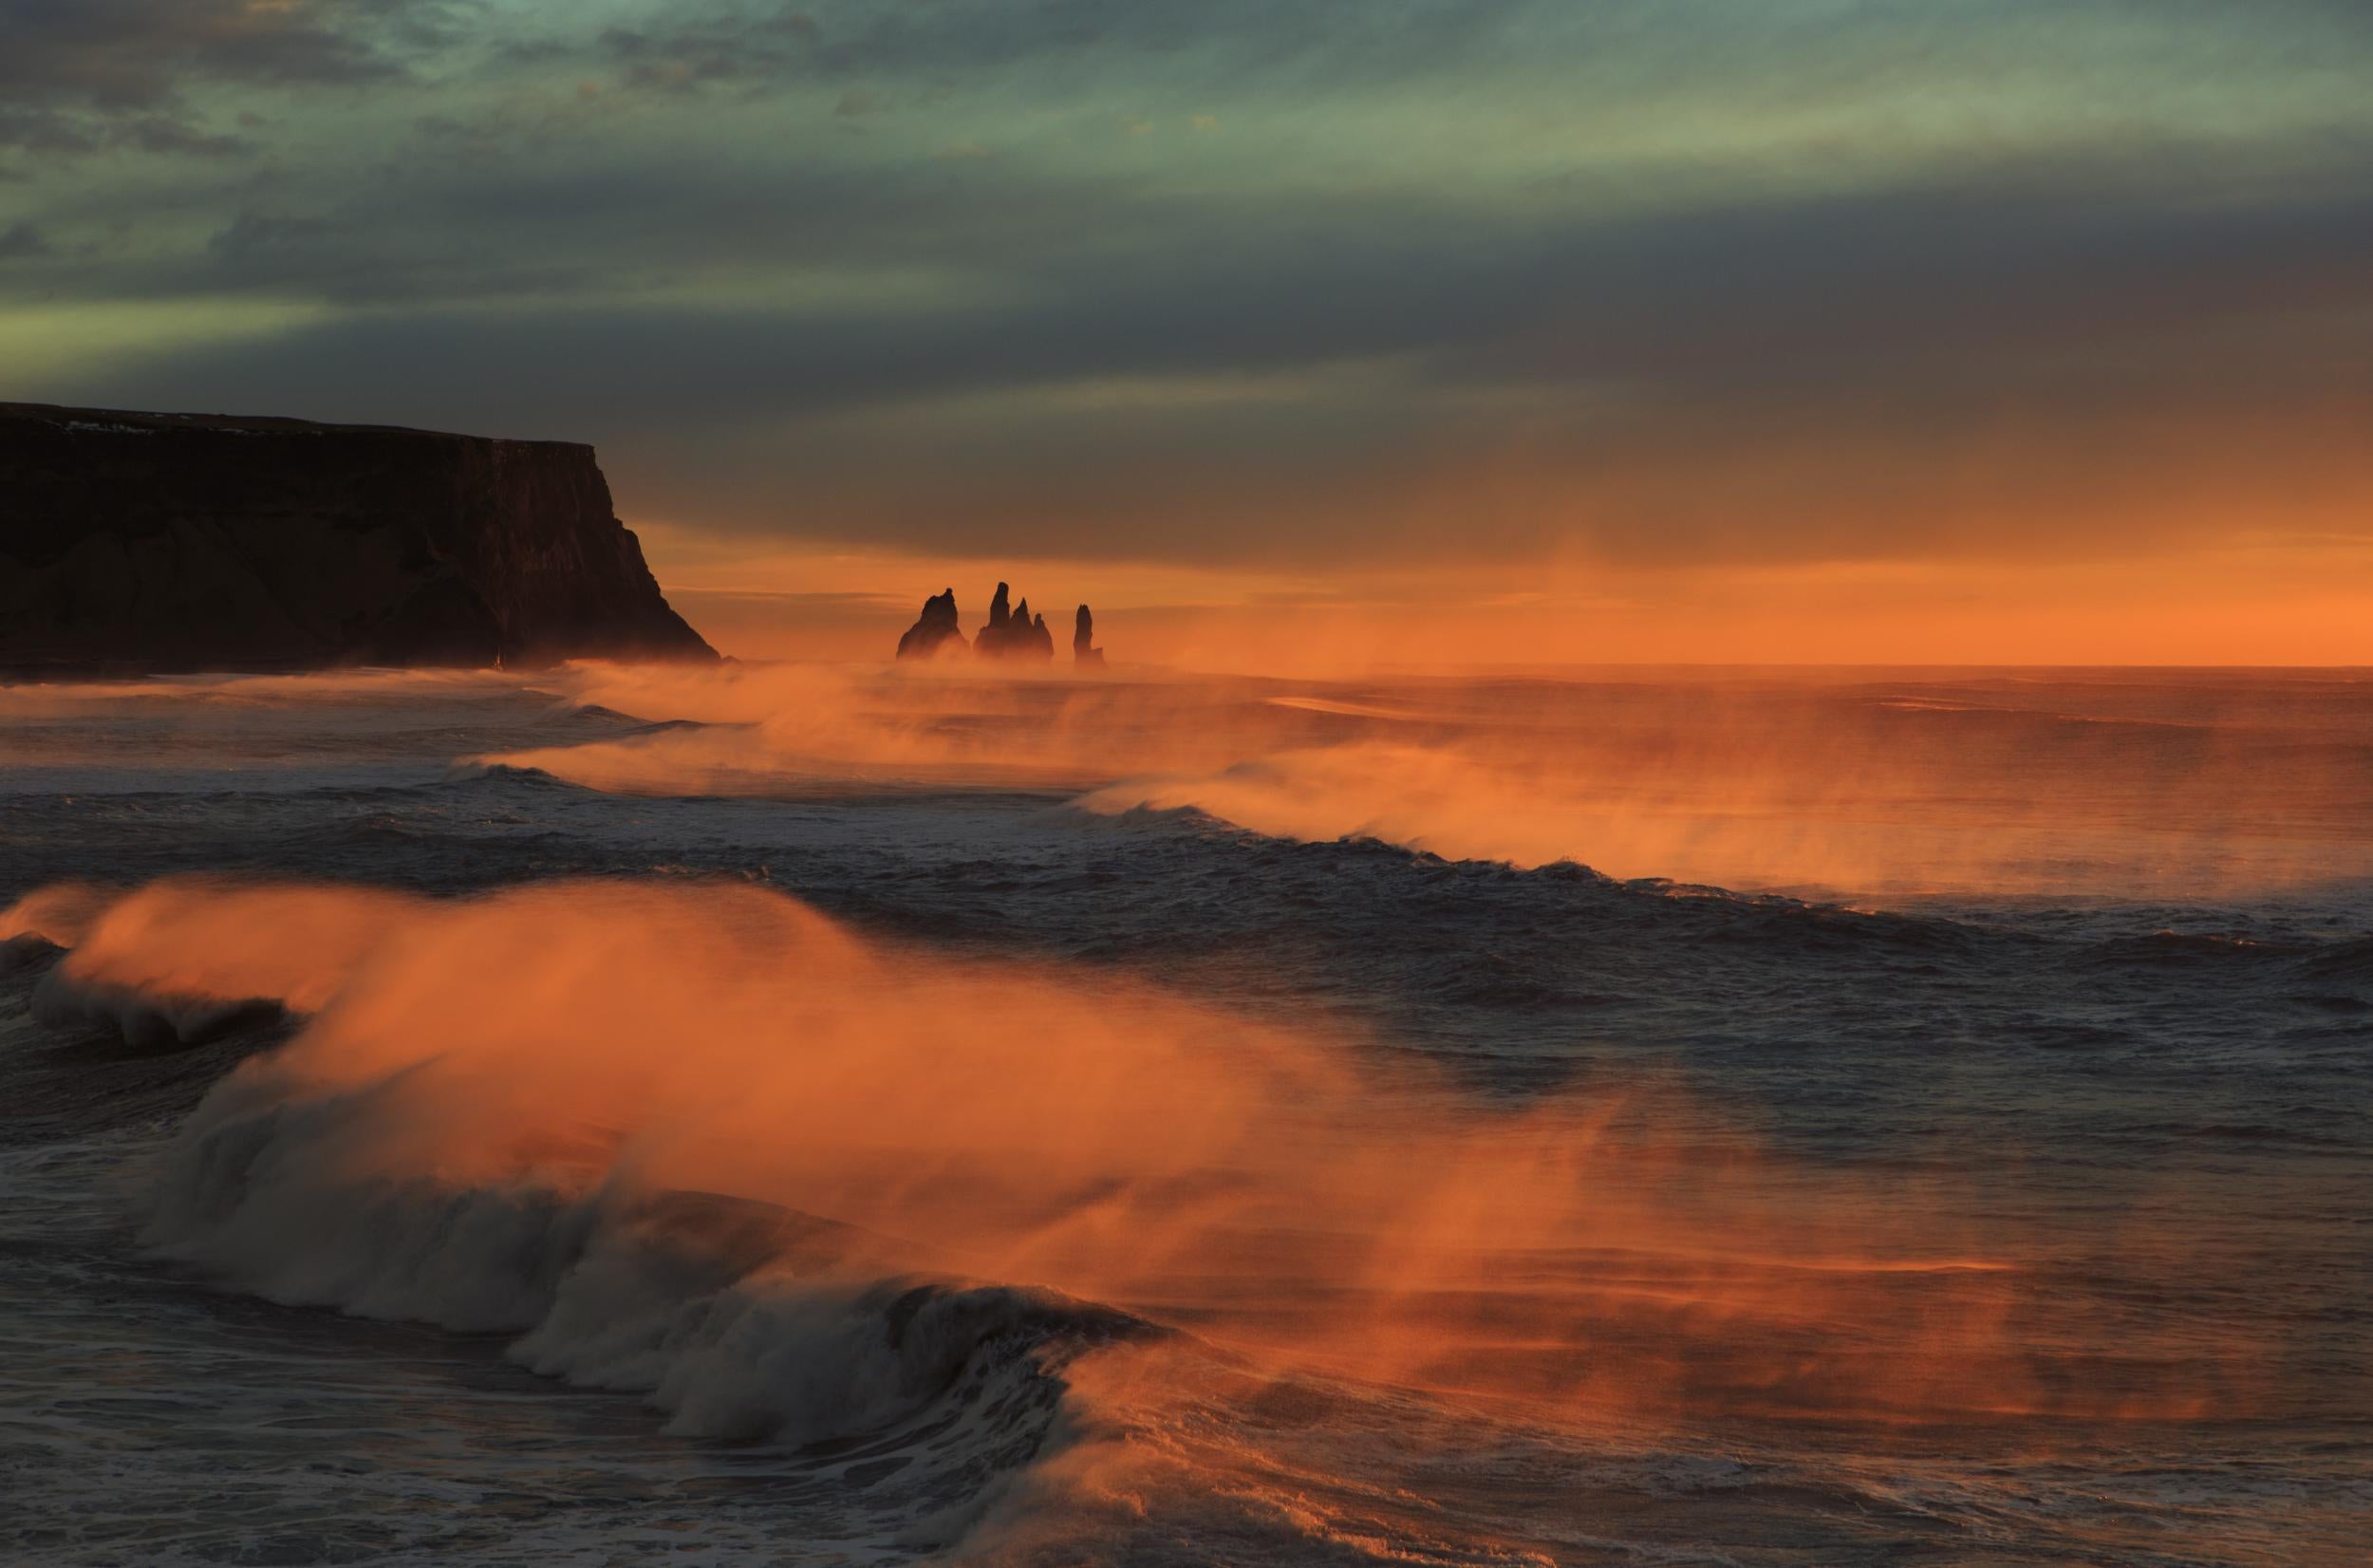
[(837, 1112), (2072, 783)]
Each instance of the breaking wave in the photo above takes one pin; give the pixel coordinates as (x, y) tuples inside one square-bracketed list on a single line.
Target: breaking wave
[(1003, 1239)]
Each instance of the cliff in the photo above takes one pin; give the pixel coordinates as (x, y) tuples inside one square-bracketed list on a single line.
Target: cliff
[(176, 542)]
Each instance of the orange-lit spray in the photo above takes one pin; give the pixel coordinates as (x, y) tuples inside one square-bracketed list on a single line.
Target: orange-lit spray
[(1276, 1194)]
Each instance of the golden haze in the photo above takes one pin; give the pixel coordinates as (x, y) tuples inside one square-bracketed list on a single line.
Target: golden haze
[(2288, 598)]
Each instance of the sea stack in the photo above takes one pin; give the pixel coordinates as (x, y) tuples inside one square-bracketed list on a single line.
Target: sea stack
[(1013, 633), (998, 632), (137, 542), (934, 630)]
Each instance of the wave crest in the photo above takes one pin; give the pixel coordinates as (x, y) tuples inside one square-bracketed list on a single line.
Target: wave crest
[(697, 1141)]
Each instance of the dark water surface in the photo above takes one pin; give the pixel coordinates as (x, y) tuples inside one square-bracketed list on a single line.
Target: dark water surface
[(2084, 962)]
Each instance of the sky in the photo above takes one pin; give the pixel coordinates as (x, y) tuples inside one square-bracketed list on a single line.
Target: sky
[(1370, 331)]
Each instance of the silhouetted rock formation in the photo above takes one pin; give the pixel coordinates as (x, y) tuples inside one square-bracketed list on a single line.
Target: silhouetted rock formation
[(934, 630), (185, 541), (1011, 632), (1012, 635)]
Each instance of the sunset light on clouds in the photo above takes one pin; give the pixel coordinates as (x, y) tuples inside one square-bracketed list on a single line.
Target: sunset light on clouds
[(1721, 330), (1187, 783)]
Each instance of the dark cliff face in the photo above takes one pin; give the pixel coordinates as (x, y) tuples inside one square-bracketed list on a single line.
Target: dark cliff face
[(162, 542)]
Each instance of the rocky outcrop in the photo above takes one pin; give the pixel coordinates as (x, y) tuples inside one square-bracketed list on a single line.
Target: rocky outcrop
[(1011, 632), (934, 630), (177, 542), (1017, 634)]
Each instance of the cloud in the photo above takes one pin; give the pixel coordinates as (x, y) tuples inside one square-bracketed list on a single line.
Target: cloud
[(1659, 279), (160, 134), (38, 130), (253, 235), (1988, 358), (737, 46), (24, 242), (79, 74)]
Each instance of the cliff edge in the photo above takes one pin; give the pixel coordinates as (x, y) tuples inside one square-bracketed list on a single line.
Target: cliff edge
[(193, 541)]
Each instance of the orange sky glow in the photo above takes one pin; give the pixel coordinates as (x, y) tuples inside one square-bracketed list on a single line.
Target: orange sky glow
[(2267, 601)]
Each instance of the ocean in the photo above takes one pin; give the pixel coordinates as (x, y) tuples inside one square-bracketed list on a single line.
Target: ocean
[(808, 1113)]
